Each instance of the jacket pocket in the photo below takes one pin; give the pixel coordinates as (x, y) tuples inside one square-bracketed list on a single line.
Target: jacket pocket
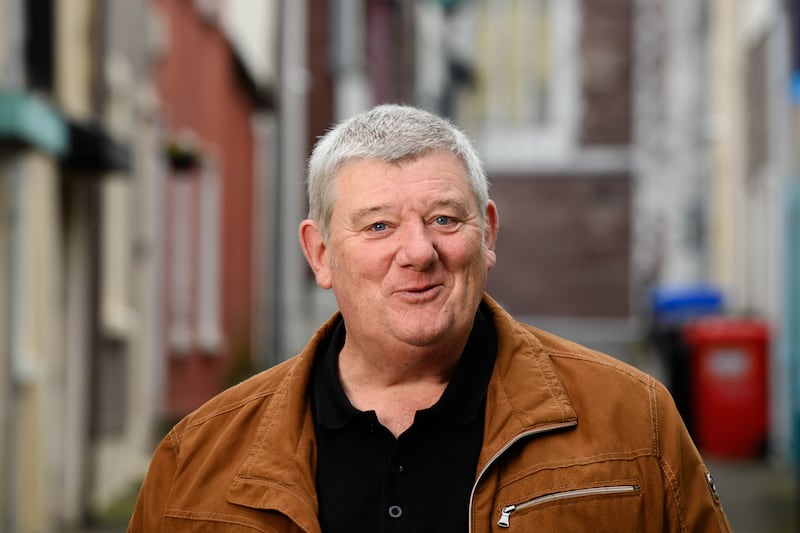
[(615, 490), (207, 522)]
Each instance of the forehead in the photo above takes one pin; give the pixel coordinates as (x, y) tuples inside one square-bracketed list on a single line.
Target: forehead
[(371, 176)]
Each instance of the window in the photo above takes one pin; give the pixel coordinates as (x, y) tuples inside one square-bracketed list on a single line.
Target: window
[(194, 252), (527, 91), (181, 188), (209, 336), (116, 311)]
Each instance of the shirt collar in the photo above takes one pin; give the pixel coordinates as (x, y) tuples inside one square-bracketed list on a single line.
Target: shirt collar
[(461, 401), (332, 409)]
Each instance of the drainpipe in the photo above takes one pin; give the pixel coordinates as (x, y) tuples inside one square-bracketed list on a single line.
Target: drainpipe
[(294, 82)]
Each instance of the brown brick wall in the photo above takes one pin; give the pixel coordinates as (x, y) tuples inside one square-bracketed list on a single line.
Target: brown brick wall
[(606, 43), (564, 245)]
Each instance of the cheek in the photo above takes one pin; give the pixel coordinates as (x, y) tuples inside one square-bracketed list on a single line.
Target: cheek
[(468, 258), (360, 262)]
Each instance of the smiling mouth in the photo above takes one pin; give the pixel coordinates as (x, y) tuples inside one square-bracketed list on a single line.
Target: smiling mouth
[(417, 293), (422, 288)]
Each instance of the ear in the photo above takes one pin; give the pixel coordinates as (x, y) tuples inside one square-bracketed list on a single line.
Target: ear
[(316, 251), (490, 234)]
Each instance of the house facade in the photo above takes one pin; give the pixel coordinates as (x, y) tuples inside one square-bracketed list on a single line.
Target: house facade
[(152, 159)]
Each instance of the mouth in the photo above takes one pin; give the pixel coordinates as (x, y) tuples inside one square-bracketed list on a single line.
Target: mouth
[(419, 294)]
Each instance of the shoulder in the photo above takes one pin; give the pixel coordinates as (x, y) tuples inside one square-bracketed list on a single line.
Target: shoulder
[(237, 411), (253, 389), (238, 408), (526, 349), (606, 389), (566, 353), (595, 384), (596, 373)]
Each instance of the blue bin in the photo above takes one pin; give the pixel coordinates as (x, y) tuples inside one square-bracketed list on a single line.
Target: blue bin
[(676, 304)]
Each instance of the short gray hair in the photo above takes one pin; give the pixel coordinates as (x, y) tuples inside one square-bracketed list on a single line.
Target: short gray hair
[(390, 133)]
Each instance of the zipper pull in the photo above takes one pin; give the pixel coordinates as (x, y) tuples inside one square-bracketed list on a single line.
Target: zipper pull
[(505, 515)]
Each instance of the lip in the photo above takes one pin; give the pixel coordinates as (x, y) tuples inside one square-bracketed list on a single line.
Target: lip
[(419, 293), (419, 288)]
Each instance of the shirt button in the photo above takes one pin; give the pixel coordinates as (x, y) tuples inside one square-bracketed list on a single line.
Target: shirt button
[(397, 468), (395, 511)]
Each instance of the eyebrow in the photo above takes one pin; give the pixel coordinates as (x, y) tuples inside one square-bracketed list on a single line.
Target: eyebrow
[(455, 203), (367, 212)]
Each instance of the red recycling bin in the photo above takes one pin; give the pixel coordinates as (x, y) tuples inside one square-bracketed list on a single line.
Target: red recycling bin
[(728, 375)]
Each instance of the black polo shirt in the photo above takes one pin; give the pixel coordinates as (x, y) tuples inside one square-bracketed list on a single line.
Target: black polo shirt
[(421, 481)]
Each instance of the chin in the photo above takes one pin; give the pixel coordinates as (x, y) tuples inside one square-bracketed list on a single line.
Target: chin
[(428, 334)]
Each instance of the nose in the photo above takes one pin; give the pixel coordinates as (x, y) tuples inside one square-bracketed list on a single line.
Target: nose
[(416, 249)]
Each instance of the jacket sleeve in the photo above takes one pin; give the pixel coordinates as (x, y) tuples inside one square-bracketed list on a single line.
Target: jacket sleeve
[(692, 498), (148, 514)]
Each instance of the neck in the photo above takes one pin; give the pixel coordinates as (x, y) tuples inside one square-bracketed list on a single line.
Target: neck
[(384, 366), (398, 384)]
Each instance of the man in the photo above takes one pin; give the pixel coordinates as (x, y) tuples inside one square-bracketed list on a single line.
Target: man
[(422, 405)]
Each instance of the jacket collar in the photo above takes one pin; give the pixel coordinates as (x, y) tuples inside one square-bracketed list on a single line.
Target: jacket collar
[(279, 471), (525, 394)]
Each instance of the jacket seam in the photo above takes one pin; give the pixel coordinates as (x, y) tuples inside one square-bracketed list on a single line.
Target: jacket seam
[(216, 517), (630, 372), (177, 433), (547, 379), (673, 484), (266, 483), (669, 474), (633, 455), (228, 408), (175, 441), (653, 401), (267, 422)]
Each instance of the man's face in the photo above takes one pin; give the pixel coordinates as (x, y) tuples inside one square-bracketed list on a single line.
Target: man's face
[(408, 254)]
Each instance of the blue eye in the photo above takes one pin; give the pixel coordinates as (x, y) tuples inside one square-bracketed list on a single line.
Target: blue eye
[(378, 226), (442, 220)]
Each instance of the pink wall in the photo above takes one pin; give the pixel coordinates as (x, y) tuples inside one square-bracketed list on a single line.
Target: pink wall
[(198, 85)]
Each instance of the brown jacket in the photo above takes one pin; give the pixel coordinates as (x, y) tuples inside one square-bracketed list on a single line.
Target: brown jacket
[(574, 441)]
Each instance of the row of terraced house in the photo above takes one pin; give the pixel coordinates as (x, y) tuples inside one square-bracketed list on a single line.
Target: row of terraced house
[(151, 181)]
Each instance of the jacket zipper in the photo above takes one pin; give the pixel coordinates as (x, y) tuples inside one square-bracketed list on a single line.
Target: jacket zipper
[(504, 449), (505, 512)]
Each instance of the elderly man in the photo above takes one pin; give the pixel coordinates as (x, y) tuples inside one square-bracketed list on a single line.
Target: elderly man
[(422, 405)]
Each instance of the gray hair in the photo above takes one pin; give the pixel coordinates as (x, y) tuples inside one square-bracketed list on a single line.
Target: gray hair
[(390, 133)]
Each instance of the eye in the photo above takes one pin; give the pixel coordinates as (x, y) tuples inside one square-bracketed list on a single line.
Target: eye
[(378, 227), (442, 220)]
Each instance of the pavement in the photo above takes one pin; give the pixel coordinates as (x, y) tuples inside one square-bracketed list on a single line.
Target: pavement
[(758, 496)]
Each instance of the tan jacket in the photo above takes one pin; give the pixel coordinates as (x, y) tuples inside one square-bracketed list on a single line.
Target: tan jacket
[(574, 441)]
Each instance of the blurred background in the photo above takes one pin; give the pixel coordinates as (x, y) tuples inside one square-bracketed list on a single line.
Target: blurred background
[(643, 155)]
